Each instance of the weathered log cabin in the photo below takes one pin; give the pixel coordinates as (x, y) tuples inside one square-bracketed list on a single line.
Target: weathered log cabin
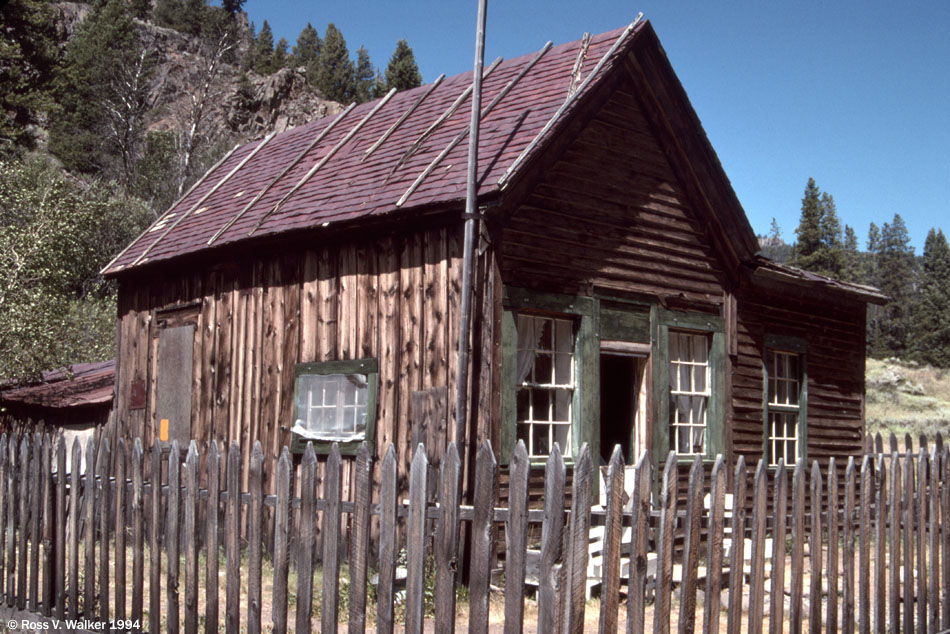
[(309, 285)]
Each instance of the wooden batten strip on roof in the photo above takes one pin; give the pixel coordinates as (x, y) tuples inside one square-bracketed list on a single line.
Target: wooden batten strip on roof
[(165, 215), (283, 173), (461, 135), (325, 159), (578, 63), (207, 195), (403, 118), (503, 181), (442, 118)]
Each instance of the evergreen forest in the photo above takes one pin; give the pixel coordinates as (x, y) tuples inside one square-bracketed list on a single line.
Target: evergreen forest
[(914, 324)]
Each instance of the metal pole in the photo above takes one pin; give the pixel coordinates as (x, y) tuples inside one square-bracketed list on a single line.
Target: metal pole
[(471, 208)]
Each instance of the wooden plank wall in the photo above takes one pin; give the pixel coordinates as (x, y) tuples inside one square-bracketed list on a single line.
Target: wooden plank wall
[(834, 334), (394, 297), (612, 214)]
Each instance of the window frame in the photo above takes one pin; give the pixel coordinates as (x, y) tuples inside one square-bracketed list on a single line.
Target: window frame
[(693, 323), (369, 367), (791, 345), (553, 387), (585, 404)]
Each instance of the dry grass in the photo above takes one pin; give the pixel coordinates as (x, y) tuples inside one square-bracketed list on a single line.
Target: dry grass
[(906, 398)]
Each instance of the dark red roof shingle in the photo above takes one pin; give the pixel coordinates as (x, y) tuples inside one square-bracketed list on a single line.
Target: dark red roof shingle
[(346, 187)]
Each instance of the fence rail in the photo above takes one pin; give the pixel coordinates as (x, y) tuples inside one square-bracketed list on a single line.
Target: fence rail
[(731, 552)]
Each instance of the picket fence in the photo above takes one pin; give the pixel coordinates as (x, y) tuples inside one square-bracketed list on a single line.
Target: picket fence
[(876, 531)]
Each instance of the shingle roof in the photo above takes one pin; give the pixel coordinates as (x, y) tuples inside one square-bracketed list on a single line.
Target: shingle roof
[(81, 384), (347, 187)]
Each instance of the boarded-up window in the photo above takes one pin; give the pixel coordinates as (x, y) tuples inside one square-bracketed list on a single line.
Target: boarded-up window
[(173, 384)]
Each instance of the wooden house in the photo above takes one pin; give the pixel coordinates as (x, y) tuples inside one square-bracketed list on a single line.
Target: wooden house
[(309, 285)]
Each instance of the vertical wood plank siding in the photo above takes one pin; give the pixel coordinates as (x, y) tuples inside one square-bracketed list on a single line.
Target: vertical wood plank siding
[(394, 298)]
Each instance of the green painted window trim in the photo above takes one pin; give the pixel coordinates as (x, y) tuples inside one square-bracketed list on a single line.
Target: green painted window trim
[(369, 367), (586, 401), (799, 346), (664, 321)]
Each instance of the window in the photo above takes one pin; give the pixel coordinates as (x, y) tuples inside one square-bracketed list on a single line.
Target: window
[(689, 391), (545, 383), (784, 400), (689, 384), (335, 401), (550, 373)]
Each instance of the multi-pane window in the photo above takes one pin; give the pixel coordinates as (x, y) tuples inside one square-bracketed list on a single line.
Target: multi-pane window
[(335, 402), (332, 406), (689, 391), (545, 383), (784, 408)]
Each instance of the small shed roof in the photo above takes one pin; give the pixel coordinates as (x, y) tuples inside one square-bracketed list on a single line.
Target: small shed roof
[(78, 385)]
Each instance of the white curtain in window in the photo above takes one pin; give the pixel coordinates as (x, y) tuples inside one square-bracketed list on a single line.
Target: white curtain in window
[(529, 336)]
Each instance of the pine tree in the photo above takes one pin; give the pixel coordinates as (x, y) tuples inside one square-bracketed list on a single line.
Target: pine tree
[(106, 45), (333, 72), (167, 13), (852, 269), (232, 6), (890, 327), (403, 72), (260, 57), (28, 56), (805, 254), (831, 259), (140, 9), (307, 49), (379, 85), (931, 324), (869, 270), (364, 76), (280, 59)]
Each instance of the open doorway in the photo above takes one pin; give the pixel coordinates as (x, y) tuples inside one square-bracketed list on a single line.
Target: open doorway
[(622, 399)]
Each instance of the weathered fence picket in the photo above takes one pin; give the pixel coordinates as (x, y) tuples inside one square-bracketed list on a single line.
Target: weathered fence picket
[(516, 540), (613, 536), (447, 537), (89, 530), (308, 474), (254, 537), (552, 531), (757, 573), (173, 561), (486, 473), (120, 517), (282, 545), (736, 563), (331, 538), (694, 507), (154, 555), (359, 543), (885, 546), (138, 531), (714, 553), (831, 620)]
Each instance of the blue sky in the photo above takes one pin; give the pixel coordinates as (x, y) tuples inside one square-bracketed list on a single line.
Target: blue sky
[(853, 94)]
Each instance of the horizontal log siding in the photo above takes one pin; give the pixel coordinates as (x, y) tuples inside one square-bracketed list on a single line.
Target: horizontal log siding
[(834, 333), (612, 214), (395, 298)]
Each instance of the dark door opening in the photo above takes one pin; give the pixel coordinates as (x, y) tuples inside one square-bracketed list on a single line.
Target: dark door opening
[(621, 379)]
